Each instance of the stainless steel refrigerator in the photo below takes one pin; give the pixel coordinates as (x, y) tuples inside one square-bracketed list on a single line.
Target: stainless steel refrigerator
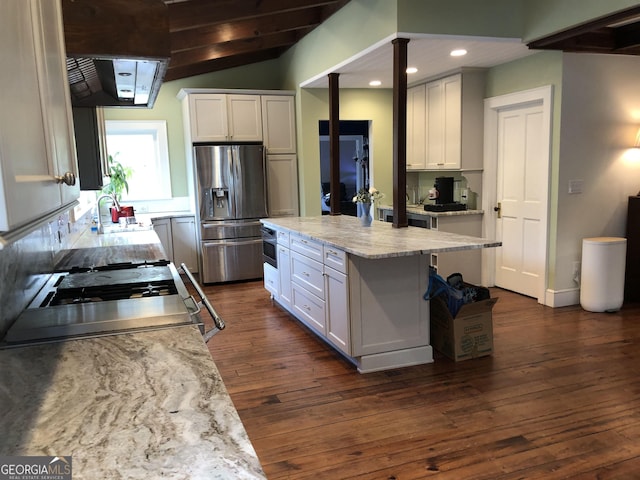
[(231, 198)]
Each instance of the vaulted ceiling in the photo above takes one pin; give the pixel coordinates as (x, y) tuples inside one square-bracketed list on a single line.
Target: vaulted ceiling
[(211, 35)]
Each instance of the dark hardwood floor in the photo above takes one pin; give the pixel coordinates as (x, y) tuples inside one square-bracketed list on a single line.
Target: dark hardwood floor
[(559, 398)]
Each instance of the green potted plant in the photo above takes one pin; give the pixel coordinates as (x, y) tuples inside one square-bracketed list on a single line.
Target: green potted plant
[(118, 183), (118, 175)]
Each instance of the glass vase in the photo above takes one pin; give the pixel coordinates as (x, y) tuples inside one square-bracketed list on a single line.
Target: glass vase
[(365, 214)]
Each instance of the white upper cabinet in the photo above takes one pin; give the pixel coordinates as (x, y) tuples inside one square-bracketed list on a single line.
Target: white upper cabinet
[(225, 117), (279, 124), (416, 127), (445, 123), (37, 150)]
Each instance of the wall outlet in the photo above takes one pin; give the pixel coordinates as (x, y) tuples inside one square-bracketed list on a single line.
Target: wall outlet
[(576, 272)]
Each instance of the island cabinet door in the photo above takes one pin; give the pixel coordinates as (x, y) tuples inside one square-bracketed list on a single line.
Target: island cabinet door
[(386, 304), (337, 309)]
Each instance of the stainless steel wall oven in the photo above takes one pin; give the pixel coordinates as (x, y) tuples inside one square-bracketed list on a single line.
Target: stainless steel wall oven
[(270, 246)]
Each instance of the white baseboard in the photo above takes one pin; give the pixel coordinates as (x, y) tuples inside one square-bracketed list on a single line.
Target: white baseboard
[(562, 298)]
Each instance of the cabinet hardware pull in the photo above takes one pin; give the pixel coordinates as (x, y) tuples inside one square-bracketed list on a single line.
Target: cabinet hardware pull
[(68, 178), (498, 209), (305, 274)]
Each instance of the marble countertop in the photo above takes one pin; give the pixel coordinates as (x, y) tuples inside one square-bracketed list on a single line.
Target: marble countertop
[(149, 404), (380, 240), (419, 210), (142, 405)]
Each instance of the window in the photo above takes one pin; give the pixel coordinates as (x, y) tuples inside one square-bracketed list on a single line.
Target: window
[(141, 146)]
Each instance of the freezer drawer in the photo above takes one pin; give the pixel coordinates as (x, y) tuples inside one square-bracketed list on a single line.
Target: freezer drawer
[(230, 260)]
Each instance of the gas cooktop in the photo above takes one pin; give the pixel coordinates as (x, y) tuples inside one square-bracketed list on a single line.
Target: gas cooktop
[(104, 300)]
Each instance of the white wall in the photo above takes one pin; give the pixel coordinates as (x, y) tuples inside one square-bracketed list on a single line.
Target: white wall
[(599, 120)]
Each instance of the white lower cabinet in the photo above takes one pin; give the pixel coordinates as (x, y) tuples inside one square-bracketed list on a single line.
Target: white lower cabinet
[(178, 238), (338, 323), (284, 275), (308, 308), (271, 279)]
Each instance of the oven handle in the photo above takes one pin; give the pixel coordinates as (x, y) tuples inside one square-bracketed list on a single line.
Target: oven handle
[(218, 322)]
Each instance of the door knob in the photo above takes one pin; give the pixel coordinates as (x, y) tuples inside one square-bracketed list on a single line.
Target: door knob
[(68, 178), (498, 209)]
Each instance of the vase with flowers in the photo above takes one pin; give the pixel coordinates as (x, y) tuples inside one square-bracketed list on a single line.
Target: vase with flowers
[(365, 199)]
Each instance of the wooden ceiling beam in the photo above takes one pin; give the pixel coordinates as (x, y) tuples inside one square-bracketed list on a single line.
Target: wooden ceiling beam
[(197, 13), (227, 49), (245, 29), (218, 64)]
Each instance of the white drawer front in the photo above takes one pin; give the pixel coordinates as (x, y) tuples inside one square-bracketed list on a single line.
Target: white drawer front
[(307, 247), (283, 238), (308, 273), (335, 258), (309, 309), (271, 279)]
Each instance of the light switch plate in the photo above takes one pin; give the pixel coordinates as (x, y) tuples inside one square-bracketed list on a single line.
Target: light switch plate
[(575, 186)]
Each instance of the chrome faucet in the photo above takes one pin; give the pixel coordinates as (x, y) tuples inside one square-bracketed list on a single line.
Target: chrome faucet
[(115, 204)]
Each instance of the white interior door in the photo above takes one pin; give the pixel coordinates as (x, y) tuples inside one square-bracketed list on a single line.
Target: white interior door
[(517, 160), (518, 262)]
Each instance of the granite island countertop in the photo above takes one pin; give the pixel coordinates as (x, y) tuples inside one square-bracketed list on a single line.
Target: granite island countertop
[(149, 404), (418, 209), (380, 240)]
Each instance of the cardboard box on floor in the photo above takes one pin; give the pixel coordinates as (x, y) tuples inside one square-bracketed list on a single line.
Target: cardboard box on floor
[(469, 335)]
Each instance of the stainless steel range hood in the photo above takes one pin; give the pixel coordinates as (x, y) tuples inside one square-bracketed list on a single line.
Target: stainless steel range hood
[(117, 51), (117, 82)]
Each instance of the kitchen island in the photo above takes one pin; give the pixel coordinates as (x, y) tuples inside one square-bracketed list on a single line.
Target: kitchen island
[(149, 404), (360, 288)]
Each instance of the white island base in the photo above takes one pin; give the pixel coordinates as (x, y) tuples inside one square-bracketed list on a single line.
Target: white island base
[(389, 317), (360, 288)]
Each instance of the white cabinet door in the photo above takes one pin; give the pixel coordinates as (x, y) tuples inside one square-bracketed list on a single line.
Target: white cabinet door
[(452, 121), (208, 117), (244, 113), (284, 273), (35, 123), (282, 185), (183, 240), (416, 128), (337, 308), (279, 124), (221, 117), (58, 113), (163, 230)]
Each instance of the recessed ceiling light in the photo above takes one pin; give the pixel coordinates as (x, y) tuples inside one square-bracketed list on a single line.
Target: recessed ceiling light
[(411, 70), (458, 52), (375, 83)]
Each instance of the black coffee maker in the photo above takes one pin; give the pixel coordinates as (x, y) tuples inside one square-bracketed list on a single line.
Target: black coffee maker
[(444, 197), (444, 189)]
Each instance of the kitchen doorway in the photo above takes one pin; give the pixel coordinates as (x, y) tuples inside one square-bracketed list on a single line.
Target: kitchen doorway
[(354, 163), (516, 190)]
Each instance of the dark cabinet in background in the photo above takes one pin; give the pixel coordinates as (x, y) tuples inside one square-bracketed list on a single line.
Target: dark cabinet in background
[(89, 147), (632, 272)]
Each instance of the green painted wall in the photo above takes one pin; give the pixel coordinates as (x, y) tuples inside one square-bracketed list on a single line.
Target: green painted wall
[(492, 18), (355, 104), (264, 75), (537, 70)]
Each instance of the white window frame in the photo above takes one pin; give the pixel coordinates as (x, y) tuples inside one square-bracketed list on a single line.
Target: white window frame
[(159, 129)]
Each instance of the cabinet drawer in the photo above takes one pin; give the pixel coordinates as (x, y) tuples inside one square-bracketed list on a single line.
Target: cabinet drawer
[(283, 238), (271, 279), (309, 308), (335, 258), (307, 273), (307, 247)]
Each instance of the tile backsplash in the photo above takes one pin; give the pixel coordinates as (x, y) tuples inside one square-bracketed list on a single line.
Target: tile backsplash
[(26, 264)]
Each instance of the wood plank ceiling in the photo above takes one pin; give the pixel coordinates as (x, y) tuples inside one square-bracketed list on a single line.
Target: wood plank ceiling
[(212, 35)]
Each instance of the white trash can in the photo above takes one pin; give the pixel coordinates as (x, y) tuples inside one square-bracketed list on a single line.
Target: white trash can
[(602, 273)]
